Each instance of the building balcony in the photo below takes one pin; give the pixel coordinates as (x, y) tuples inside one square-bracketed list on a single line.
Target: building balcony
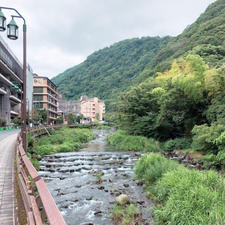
[(2, 91), (5, 80), (15, 99), (7, 70), (14, 113), (53, 111), (52, 103)]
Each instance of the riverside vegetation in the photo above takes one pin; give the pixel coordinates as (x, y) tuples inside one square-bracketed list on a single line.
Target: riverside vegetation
[(183, 196), (62, 140)]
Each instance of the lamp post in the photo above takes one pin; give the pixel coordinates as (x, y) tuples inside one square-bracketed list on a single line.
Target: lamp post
[(12, 33)]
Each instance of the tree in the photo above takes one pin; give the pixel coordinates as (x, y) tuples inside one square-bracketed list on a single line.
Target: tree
[(71, 118), (59, 120), (43, 115)]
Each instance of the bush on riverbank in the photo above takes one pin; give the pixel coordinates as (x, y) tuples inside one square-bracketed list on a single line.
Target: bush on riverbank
[(62, 140), (151, 167), (177, 144), (125, 142), (185, 196)]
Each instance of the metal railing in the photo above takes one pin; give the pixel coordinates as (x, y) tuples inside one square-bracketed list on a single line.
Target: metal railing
[(38, 202)]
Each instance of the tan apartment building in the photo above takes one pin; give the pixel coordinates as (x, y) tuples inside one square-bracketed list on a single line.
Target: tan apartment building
[(45, 97), (92, 108)]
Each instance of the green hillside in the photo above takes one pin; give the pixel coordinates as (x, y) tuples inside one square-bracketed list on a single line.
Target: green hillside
[(205, 37), (112, 70), (109, 71)]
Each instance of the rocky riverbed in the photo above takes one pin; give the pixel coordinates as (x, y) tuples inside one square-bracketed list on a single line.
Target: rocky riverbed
[(85, 184)]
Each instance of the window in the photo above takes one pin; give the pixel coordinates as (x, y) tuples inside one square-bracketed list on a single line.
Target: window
[(38, 105), (38, 98), (38, 90)]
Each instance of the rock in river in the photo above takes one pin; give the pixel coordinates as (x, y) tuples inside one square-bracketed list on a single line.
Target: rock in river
[(122, 199)]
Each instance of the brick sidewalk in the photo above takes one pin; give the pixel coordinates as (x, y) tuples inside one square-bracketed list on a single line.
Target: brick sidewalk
[(7, 198)]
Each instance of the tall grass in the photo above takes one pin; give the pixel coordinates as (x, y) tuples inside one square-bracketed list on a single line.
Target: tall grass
[(125, 142), (184, 196), (62, 140)]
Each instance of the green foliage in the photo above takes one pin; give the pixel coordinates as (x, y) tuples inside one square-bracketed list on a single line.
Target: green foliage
[(125, 215), (43, 115), (184, 196), (2, 122), (110, 118), (123, 141), (190, 197), (44, 149), (177, 143), (113, 70), (117, 211), (208, 138), (169, 105), (212, 161), (110, 71), (151, 167), (103, 127), (72, 118), (59, 120), (17, 121), (35, 163), (63, 140)]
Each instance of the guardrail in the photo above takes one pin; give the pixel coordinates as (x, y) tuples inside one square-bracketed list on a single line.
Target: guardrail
[(39, 206)]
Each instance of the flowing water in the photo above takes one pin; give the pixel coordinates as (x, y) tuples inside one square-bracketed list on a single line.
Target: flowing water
[(84, 184)]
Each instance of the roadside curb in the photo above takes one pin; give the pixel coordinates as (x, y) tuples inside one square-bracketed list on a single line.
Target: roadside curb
[(9, 128)]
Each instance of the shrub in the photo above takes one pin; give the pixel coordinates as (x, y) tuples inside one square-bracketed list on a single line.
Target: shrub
[(57, 139), (185, 197), (189, 197), (220, 141), (62, 140), (125, 215), (205, 137), (35, 163), (177, 143), (44, 150), (212, 161), (123, 141), (152, 166)]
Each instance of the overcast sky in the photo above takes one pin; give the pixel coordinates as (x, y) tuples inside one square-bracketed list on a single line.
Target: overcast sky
[(62, 33)]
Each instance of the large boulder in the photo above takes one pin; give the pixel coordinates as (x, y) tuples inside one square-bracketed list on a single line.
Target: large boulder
[(122, 199)]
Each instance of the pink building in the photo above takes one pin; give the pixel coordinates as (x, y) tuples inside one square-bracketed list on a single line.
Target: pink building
[(92, 108)]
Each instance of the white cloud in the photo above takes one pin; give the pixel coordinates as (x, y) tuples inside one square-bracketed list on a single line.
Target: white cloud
[(63, 33)]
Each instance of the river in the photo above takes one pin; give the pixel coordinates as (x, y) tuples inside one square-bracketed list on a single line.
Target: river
[(84, 184)]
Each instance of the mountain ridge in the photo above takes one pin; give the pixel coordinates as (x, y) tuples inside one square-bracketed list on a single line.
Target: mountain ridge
[(110, 71)]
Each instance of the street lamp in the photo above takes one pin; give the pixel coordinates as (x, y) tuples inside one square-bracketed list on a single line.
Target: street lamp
[(2, 21), (12, 33)]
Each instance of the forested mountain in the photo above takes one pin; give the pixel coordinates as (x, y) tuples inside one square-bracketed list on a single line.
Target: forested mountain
[(110, 71), (184, 101)]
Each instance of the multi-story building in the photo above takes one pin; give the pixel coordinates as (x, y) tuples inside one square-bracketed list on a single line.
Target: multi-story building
[(45, 96), (92, 108), (68, 106), (11, 80)]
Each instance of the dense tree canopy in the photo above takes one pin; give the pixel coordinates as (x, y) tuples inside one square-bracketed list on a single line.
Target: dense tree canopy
[(112, 70), (109, 71)]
